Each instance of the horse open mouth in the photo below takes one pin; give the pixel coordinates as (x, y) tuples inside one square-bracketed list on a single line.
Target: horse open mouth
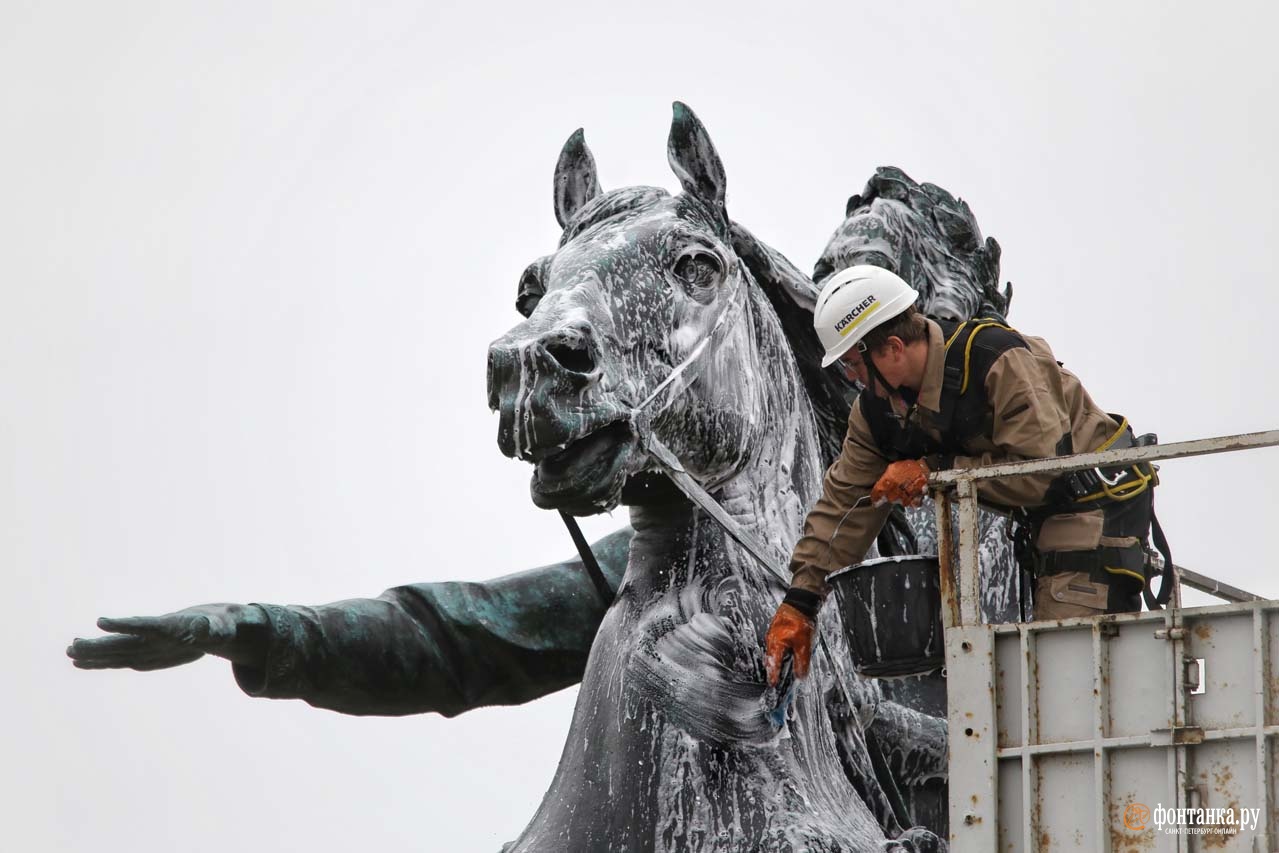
[(587, 476)]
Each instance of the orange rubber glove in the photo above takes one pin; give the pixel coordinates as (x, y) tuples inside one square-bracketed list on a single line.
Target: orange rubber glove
[(903, 482), (791, 631)]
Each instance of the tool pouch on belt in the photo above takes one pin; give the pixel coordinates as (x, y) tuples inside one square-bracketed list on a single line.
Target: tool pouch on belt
[(1107, 545), (1122, 556), (1098, 522)]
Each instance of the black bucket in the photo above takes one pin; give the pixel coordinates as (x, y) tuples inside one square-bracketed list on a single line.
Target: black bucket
[(891, 612)]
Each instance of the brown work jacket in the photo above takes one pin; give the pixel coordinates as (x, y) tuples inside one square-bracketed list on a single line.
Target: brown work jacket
[(1035, 401)]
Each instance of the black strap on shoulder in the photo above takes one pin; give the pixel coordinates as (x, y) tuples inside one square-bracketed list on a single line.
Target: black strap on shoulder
[(965, 411), (584, 551), (953, 369)]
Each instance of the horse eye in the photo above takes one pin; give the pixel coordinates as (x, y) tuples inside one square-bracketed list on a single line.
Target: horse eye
[(531, 290), (700, 269)]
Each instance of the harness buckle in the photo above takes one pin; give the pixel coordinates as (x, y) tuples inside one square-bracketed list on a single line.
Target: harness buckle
[(1080, 484)]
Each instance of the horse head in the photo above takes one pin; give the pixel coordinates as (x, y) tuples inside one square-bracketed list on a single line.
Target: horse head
[(926, 236), (644, 295)]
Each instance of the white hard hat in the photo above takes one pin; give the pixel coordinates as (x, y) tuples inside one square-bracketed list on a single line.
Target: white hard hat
[(855, 301)]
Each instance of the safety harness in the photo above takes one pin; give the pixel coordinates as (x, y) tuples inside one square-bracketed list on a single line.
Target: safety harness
[(1124, 494), (965, 412)]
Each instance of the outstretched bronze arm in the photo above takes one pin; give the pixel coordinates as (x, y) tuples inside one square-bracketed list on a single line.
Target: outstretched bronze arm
[(445, 647)]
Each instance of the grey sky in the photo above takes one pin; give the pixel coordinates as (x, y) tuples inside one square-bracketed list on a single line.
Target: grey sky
[(252, 257)]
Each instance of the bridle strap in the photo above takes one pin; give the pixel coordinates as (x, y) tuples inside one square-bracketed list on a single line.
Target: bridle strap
[(691, 366), (768, 557), (641, 422), (685, 373)]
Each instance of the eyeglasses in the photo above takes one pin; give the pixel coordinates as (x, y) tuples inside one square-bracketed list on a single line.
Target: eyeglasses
[(855, 370)]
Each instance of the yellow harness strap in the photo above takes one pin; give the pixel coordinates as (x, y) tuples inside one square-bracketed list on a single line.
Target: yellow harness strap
[(968, 347), (1131, 489)]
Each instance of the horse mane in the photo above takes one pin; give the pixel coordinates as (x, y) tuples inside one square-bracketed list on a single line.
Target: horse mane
[(793, 296), (943, 231)]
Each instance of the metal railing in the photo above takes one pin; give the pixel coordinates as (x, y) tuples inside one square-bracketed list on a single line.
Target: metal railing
[(960, 585)]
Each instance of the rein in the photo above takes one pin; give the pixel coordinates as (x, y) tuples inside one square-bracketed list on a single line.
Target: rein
[(661, 398)]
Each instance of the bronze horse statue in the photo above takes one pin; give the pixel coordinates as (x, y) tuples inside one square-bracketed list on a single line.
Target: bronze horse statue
[(669, 748)]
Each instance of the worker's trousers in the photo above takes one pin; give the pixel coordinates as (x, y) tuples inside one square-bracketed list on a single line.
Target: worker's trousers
[(1089, 563)]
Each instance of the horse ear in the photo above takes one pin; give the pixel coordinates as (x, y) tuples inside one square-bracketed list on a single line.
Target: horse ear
[(693, 158), (854, 202), (576, 181)]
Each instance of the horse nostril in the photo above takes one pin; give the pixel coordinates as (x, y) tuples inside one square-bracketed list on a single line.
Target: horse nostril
[(572, 354), (502, 364)]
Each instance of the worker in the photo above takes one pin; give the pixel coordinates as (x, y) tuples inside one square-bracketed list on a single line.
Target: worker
[(942, 394)]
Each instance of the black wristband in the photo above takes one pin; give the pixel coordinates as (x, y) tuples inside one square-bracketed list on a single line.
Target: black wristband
[(804, 601)]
